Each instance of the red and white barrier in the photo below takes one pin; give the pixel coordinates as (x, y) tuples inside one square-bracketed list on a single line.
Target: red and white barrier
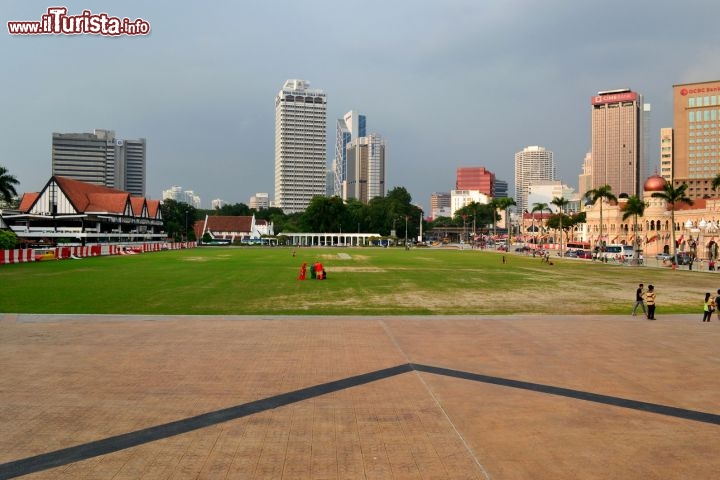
[(16, 256), (28, 254)]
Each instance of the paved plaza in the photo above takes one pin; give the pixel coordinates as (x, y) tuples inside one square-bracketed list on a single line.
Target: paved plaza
[(507, 397)]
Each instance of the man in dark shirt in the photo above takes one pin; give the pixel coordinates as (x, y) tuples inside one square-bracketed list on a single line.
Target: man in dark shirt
[(639, 300)]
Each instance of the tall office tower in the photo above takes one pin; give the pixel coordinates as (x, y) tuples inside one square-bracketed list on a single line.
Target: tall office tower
[(531, 164), (696, 144), (475, 178), (365, 174), (666, 153), (300, 145), (501, 189), (348, 128), (585, 178), (101, 159), (439, 205), (618, 157)]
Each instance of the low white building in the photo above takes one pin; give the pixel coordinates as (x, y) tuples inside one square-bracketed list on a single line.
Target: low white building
[(463, 198)]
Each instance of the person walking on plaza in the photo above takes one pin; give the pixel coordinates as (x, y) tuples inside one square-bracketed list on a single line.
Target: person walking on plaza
[(717, 302), (650, 300), (708, 307), (639, 300)]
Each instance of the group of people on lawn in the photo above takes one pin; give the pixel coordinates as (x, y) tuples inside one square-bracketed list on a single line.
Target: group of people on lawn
[(317, 271)]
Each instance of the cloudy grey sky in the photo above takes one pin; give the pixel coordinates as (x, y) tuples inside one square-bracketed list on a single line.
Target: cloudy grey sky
[(448, 84)]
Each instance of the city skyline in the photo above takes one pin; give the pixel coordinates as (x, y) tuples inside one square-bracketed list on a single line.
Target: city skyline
[(453, 84)]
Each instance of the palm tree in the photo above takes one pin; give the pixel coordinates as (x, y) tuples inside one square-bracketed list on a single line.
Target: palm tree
[(634, 207), (538, 207), (561, 203), (716, 182), (603, 192), (7, 186), (504, 203), (674, 196)]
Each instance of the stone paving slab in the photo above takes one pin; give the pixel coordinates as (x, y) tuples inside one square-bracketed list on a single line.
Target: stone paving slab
[(515, 397)]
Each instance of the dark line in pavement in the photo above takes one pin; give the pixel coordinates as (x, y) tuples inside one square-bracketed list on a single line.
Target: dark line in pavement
[(105, 446), (85, 451), (577, 394)]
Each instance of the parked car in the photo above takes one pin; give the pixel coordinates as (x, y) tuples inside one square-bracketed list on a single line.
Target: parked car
[(684, 258), (587, 254), (663, 257), (502, 248), (523, 249), (571, 254)]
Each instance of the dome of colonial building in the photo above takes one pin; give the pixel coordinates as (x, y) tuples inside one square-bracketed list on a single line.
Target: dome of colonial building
[(654, 183)]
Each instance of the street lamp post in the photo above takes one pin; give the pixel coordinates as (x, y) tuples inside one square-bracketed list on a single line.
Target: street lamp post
[(406, 235)]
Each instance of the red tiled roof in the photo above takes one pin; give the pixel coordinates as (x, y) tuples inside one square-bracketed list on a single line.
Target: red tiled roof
[(27, 201), (137, 205), (107, 202), (79, 194), (229, 224), (153, 208)]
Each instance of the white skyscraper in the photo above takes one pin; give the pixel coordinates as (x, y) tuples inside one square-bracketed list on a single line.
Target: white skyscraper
[(300, 145), (531, 164)]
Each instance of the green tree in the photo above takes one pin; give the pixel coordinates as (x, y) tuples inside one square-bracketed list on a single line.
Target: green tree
[(674, 196), (7, 186), (561, 203), (179, 218), (504, 203), (538, 207), (602, 193), (324, 214), (8, 240), (634, 207), (480, 213)]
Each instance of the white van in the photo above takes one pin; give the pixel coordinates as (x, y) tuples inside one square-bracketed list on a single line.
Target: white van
[(620, 253)]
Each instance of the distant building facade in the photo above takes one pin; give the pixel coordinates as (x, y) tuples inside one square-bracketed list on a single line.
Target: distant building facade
[(259, 201), (177, 193), (696, 142), (666, 153), (365, 173), (300, 145), (618, 157), (585, 178), (532, 164), (501, 189), (440, 205), (217, 204), (475, 178), (348, 128), (463, 198), (101, 159)]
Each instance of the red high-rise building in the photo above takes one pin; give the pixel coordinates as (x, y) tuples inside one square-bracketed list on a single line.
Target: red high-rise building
[(476, 178)]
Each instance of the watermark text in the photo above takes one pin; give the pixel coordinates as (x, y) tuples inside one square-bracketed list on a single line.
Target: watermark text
[(57, 22)]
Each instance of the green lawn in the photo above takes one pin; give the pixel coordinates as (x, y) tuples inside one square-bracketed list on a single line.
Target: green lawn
[(232, 281)]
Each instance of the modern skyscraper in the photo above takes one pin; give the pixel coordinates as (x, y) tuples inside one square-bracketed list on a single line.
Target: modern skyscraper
[(348, 128), (618, 157), (475, 178), (101, 159), (365, 174), (531, 164), (696, 144), (300, 145)]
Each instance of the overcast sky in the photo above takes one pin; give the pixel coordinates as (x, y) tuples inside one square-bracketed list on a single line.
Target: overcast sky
[(447, 83)]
